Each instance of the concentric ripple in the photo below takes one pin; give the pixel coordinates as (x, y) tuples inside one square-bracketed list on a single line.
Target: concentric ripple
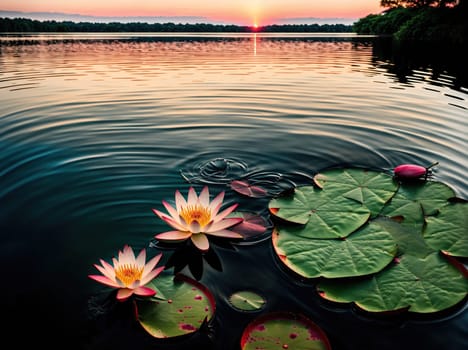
[(95, 131)]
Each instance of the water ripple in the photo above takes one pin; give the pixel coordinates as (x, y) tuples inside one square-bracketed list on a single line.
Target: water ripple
[(95, 131)]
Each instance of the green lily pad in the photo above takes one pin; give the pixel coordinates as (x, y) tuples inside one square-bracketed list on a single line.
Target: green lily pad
[(247, 301), (414, 201), (421, 285), (448, 230), (281, 330), (363, 252), (370, 188), (408, 240), (326, 214), (187, 305)]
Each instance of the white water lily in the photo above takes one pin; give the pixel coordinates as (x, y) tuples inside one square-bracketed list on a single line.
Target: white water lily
[(197, 217), (129, 274)]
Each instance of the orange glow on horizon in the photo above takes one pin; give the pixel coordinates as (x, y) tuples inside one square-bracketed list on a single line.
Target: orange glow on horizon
[(243, 12)]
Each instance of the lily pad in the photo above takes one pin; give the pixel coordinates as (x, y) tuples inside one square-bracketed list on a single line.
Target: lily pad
[(421, 285), (247, 189), (282, 330), (414, 201), (448, 230), (187, 305), (408, 240), (363, 252), (420, 279), (372, 189), (247, 301), (326, 214), (253, 225)]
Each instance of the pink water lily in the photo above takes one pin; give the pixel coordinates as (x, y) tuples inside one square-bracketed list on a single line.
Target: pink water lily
[(197, 217), (129, 274)]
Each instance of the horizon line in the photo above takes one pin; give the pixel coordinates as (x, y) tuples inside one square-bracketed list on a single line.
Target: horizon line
[(156, 19)]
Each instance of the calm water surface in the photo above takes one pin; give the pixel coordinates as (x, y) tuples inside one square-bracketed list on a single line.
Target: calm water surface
[(97, 129)]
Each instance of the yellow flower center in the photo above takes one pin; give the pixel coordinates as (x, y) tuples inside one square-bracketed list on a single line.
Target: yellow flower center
[(196, 212), (128, 274)]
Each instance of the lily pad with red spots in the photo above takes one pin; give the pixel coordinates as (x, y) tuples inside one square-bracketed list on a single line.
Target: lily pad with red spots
[(284, 330), (187, 305)]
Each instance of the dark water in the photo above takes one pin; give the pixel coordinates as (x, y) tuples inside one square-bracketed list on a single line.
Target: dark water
[(95, 130)]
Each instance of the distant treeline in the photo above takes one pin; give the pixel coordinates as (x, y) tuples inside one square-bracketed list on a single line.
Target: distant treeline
[(425, 21), (29, 25)]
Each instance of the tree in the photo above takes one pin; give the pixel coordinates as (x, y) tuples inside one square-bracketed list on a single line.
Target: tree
[(418, 3)]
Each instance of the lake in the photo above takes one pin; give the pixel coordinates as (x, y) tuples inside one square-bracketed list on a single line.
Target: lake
[(98, 129)]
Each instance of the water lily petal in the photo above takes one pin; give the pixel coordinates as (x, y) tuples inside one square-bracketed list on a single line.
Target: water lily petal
[(225, 233), (109, 275), (174, 235), (216, 226), (135, 284), (140, 260), (225, 213), (183, 223), (109, 268), (126, 256), (150, 265), (144, 291), (204, 197), (216, 203), (195, 227), (201, 242), (121, 284), (169, 220), (192, 197), (151, 275), (180, 200), (171, 210), (104, 280), (124, 294)]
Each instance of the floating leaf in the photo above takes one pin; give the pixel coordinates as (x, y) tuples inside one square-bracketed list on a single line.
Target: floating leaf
[(247, 301), (372, 189), (414, 201), (326, 214), (247, 189), (253, 225), (187, 305), (448, 231), (363, 252), (422, 285), (407, 239), (420, 279), (281, 330)]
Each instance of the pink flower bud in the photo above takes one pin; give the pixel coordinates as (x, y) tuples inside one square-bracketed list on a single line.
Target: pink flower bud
[(412, 171), (409, 171)]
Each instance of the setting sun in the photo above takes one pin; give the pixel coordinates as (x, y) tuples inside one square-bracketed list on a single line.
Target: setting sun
[(241, 12)]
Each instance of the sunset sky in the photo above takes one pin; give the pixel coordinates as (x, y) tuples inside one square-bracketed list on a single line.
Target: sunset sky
[(245, 12)]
